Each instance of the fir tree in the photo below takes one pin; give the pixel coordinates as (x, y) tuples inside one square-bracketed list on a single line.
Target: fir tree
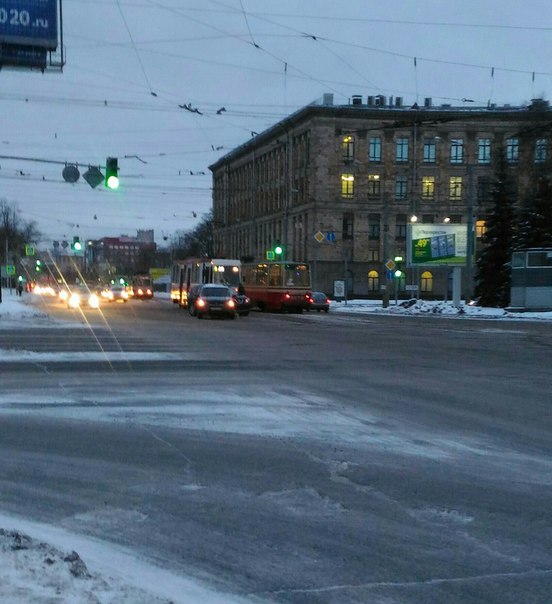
[(535, 221), (493, 264)]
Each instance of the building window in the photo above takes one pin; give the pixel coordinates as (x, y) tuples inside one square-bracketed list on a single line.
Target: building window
[(374, 227), (374, 149), (348, 148), (455, 188), (426, 282), (456, 151), (374, 186), (428, 219), (401, 149), (541, 150), (373, 281), (400, 187), (428, 187), (483, 189), (347, 186), (348, 220), (512, 150), (456, 219), (373, 255), (429, 151), (484, 151), (480, 228), (400, 226)]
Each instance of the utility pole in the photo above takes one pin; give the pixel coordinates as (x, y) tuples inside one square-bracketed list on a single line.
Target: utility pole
[(470, 238)]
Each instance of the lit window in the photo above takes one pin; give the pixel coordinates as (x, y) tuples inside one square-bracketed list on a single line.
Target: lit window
[(484, 151), (428, 187), (455, 188), (373, 255), (512, 150), (400, 187), (347, 185), (429, 150), (426, 282), (541, 150), (348, 148), (373, 281), (374, 149), (456, 151), (480, 228), (374, 185), (401, 149)]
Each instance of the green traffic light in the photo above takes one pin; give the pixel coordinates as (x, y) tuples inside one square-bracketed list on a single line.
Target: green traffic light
[(398, 273), (278, 250), (113, 182), (77, 246)]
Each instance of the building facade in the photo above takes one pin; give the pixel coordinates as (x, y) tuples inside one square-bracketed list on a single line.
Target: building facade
[(337, 186)]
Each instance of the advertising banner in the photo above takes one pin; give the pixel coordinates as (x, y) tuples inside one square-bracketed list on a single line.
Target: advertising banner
[(29, 23), (437, 244)]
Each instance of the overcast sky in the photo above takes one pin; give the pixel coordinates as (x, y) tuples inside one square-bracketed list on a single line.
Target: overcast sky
[(131, 63)]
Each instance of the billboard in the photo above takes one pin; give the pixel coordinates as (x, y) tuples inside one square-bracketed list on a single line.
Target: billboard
[(29, 23), (437, 244)]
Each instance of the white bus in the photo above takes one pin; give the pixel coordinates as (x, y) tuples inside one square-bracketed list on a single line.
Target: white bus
[(197, 271)]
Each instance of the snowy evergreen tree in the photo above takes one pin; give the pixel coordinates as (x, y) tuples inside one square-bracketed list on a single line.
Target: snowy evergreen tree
[(535, 221), (493, 264)]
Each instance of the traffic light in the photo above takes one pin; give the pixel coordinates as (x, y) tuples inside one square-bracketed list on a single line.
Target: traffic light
[(278, 250), (399, 269), (112, 173), (38, 266), (76, 246)]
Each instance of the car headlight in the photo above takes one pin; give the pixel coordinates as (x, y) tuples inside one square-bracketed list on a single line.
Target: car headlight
[(63, 295), (94, 301), (74, 301)]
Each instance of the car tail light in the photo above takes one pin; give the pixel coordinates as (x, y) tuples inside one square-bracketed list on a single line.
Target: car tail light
[(287, 296), (148, 292), (140, 292)]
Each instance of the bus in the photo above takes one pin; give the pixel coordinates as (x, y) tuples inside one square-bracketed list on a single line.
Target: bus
[(141, 287), (197, 271), (278, 286)]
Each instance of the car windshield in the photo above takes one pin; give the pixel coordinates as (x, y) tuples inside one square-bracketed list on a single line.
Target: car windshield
[(215, 291)]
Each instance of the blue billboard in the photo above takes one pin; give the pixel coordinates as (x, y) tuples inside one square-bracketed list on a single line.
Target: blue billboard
[(29, 23)]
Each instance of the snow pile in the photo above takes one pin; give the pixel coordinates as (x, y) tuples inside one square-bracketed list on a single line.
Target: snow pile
[(33, 571), (14, 307)]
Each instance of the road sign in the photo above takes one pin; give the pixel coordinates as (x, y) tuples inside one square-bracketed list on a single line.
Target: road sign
[(390, 275), (330, 236), (319, 236), (10, 269), (411, 288), (29, 250), (390, 265)]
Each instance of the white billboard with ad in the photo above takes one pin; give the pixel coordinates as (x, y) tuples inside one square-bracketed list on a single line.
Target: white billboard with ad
[(437, 245)]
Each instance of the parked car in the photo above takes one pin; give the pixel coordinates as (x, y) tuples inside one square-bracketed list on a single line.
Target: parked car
[(318, 301), (214, 300)]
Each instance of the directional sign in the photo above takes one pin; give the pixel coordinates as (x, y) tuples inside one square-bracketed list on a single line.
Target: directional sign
[(330, 236), (10, 269), (29, 249)]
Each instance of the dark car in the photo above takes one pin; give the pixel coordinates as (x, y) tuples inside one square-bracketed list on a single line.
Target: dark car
[(214, 301), (117, 293), (243, 303), (191, 297), (318, 301)]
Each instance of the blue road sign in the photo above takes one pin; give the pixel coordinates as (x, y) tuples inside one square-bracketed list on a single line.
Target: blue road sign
[(330, 236)]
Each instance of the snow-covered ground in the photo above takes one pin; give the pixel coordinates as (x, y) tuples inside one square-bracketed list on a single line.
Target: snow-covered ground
[(45, 564)]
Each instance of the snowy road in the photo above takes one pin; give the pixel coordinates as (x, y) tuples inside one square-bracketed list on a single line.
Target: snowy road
[(297, 460)]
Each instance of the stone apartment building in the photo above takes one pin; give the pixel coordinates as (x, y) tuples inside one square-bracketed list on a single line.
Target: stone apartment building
[(338, 185)]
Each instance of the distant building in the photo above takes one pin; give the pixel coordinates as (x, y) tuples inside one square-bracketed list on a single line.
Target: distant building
[(338, 185), (124, 254)]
